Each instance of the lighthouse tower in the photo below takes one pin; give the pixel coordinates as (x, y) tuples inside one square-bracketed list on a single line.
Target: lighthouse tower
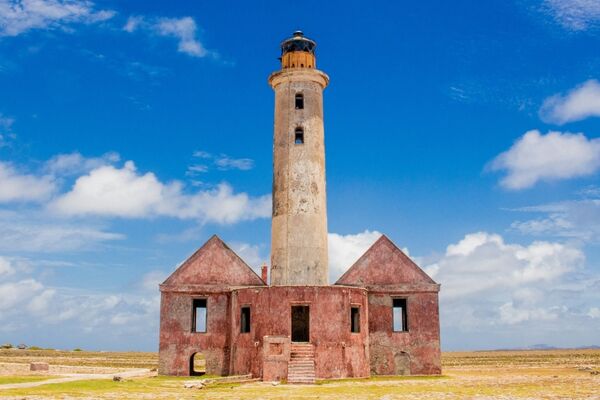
[(381, 317), (299, 224)]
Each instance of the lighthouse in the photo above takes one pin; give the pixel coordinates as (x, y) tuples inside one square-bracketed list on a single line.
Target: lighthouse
[(299, 223), (219, 317)]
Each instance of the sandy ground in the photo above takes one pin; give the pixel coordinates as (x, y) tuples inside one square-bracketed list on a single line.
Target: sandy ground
[(476, 375)]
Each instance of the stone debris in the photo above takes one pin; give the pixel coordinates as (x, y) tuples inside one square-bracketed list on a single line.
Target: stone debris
[(193, 385)]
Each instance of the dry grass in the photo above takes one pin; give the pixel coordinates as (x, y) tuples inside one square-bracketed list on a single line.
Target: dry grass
[(560, 374), (82, 358)]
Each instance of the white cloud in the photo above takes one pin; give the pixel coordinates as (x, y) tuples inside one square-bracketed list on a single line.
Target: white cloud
[(133, 23), (222, 162), (493, 291), (581, 102), (74, 163), (122, 192), (5, 128), (16, 186), (152, 279), (251, 254), (202, 154), (5, 123), (20, 16), (30, 234), (511, 315), (594, 312), (225, 163), (13, 293), (535, 157), (183, 29), (39, 303), (5, 267), (574, 15), (579, 219), (345, 250), (196, 169), (482, 262)]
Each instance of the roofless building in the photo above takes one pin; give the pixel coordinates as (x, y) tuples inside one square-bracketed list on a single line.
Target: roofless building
[(380, 318)]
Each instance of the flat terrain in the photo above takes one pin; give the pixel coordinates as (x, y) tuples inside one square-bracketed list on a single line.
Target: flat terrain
[(556, 374)]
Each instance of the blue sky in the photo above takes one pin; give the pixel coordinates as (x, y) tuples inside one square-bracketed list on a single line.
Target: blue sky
[(467, 132)]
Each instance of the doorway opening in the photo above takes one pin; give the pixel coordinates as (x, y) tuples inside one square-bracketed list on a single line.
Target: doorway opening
[(300, 324), (197, 364)]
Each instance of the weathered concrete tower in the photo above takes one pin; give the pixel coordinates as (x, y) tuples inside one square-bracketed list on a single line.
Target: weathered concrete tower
[(299, 225)]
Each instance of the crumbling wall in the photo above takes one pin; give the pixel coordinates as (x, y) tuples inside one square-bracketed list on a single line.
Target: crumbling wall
[(177, 342), (338, 352), (416, 351)]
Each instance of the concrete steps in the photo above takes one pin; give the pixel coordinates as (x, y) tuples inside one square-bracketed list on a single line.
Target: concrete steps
[(301, 367)]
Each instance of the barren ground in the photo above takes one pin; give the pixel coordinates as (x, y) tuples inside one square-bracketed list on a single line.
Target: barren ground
[(557, 374)]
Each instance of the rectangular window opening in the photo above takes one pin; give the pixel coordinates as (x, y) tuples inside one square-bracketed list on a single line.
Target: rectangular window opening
[(299, 101), (245, 320), (200, 315), (399, 315), (299, 136), (355, 319)]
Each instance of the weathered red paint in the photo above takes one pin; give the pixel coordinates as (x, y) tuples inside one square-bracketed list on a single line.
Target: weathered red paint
[(215, 273)]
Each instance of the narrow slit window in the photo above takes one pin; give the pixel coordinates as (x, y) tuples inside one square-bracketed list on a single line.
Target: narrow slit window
[(245, 320), (299, 101), (399, 315), (200, 315), (354, 319), (299, 136)]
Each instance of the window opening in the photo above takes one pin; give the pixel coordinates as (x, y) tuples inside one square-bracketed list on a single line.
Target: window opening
[(245, 320), (399, 315), (199, 317), (299, 136), (354, 319), (299, 101)]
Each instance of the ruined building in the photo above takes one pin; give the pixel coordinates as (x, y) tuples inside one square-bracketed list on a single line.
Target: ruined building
[(380, 318)]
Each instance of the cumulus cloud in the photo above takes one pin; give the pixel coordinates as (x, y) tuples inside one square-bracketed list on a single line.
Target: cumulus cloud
[(123, 192), (86, 318), (579, 103), (13, 293), (482, 262), (17, 186), (536, 157), (74, 163), (20, 16), (492, 290), (183, 29), (573, 15), (345, 250)]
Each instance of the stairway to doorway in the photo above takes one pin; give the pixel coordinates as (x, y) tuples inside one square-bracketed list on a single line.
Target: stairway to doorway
[(301, 367)]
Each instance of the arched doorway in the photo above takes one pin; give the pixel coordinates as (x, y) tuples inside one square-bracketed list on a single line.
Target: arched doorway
[(197, 364)]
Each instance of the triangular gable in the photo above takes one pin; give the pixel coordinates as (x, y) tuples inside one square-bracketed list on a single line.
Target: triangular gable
[(384, 264), (214, 264)]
